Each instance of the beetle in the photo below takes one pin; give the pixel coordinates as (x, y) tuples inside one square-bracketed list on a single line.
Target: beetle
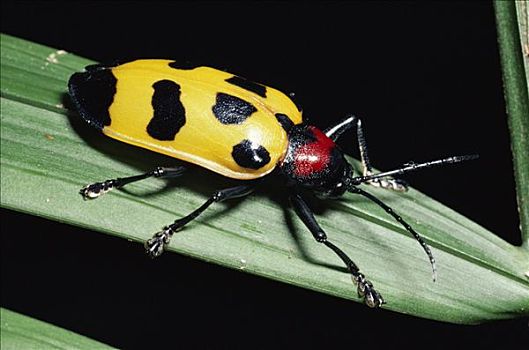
[(234, 127)]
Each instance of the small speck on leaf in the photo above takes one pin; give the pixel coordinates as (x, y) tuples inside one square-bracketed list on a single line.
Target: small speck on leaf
[(243, 264)]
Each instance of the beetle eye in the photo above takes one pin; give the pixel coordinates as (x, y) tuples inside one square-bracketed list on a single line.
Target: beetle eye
[(336, 191)]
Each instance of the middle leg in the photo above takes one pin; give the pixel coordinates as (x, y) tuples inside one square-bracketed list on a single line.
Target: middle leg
[(155, 246)]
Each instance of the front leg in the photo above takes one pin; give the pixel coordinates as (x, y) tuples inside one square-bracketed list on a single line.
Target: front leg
[(386, 182), (365, 288), (335, 131)]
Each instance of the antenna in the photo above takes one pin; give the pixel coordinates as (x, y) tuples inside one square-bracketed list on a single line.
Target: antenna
[(412, 166)]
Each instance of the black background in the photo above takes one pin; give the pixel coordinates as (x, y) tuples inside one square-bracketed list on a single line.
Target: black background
[(425, 78)]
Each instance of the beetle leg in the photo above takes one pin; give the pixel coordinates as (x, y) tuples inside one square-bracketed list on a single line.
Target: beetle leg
[(365, 288), (96, 189), (386, 182), (155, 246), (335, 131)]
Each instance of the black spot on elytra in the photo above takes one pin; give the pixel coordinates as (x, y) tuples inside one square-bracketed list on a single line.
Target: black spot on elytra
[(229, 109), (285, 121), (169, 113), (92, 93), (250, 155), (248, 85), (183, 65)]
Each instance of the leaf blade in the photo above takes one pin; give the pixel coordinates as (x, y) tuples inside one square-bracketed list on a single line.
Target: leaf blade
[(516, 86), (22, 332), (48, 154)]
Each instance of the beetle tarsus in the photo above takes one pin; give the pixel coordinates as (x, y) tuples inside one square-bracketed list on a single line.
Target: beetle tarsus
[(372, 298), (95, 190), (390, 183), (155, 246)]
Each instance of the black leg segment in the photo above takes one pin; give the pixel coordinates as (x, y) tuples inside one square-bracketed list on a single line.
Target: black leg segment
[(365, 289), (335, 131), (97, 189), (155, 246), (385, 182)]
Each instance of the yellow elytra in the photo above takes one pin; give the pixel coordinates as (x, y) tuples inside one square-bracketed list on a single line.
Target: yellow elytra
[(201, 115)]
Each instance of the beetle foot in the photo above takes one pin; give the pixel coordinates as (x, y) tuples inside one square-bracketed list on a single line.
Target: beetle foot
[(390, 183), (155, 246), (372, 298), (97, 189)]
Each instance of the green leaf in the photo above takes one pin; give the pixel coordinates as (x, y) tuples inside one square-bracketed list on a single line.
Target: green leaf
[(513, 37), (22, 332), (48, 154)]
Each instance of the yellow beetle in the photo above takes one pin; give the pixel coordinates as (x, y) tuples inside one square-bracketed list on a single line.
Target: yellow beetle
[(234, 127)]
